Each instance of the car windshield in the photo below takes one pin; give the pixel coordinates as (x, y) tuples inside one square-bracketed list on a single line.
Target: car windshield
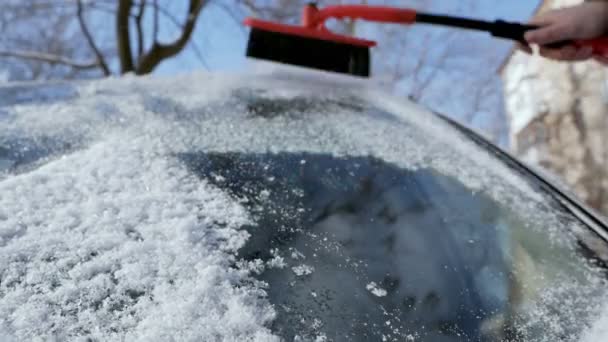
[(357, 249), (269, 210)]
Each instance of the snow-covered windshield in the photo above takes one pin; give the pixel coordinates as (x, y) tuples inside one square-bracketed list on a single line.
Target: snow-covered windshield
[(211, 208)]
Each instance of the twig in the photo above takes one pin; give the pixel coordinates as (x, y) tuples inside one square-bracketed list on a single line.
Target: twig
[(160, 52), (85, 30), (140, 33), (49, 58), (167, 14), (160, 10), (199, 55), (155, 25)]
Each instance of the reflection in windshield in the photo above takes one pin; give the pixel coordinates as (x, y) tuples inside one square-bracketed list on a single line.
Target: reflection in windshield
[(356, 249)]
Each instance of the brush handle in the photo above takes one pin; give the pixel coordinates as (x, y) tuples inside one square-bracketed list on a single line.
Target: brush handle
[(315, 18), (509, 30), (371, 13)]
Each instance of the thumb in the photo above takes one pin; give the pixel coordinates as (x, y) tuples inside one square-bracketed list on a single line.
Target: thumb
[(548, 34)]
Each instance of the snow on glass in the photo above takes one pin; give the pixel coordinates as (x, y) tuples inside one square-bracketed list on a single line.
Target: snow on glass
[(303, 270), (376, 290), (105, 235)]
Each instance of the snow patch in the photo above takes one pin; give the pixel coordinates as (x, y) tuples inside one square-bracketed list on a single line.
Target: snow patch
[(376, 290), (125, 247), (598, 330), (117, 240), (303, 270), (296, 255)]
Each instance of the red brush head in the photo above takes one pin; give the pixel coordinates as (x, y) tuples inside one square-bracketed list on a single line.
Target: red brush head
[(313, 22), (303, 31), (313, 45)]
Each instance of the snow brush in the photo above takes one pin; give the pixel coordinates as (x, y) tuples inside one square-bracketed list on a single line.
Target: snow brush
[(313, 45)]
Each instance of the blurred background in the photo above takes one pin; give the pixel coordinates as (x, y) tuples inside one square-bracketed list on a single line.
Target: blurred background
[(552, 115)]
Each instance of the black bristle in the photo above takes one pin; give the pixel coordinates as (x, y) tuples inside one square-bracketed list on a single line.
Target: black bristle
[(309, 52)]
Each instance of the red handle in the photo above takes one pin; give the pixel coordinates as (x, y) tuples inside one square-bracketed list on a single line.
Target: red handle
[(383, 14), (599, 45)]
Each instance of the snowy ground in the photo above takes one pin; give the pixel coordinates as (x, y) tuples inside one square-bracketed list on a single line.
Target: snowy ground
[(105, 234)]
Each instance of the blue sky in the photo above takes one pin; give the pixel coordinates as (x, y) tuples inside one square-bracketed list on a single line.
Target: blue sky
[(221, 38)]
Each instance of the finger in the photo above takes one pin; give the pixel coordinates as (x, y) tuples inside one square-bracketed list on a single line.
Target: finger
[(548, 34), (562, 54), (524, 48), (601, 59), (584, 53), (569, 53), (543, 20)]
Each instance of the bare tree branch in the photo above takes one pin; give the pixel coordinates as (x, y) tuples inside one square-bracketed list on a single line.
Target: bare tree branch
[(101, 7), (423, 84), (85, 30), (482, 90), (168, 15), (160, 51), (199, 55), (49, 58), (140, 32), (123, 37), (132, 47), (160, 10), (155, 25), (281, 10)]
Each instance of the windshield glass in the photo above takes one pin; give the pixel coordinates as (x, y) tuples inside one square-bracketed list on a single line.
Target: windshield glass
[(357, 249), (274, 208)]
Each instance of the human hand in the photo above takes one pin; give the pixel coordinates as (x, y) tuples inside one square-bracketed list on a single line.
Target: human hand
[(585, 21)]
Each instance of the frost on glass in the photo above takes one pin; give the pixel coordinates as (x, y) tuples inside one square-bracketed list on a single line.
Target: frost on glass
[(209, 207), (380, 252)]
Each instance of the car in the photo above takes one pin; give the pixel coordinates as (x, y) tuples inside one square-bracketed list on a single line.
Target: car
[(283, 205)]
